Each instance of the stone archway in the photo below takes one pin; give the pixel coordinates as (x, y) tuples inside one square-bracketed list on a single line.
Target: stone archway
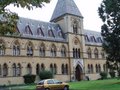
[(78, 73)]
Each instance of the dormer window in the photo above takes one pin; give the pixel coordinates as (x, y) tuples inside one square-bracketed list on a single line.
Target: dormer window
[(75, 27), (40, 32), (86, 38), (99, 39), (28, 30), (50, 33), (60, 34), (93, 39)]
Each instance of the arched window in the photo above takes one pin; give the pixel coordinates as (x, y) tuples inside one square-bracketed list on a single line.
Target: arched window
[(78, 53), (96, 53), (30, 49), (102, 54), (16, 48), (97, 68), (92, 68), (55, 69), (62, 69), (14, 68), (2, 48), (75, 27), (73, 53), (19, 69), (42, 50), (51, 68), (5, 70), (29, 69), (53, 51), (89, 53), (66, 69), (37, 69), (42, 67), (89, 69), (63, 51)]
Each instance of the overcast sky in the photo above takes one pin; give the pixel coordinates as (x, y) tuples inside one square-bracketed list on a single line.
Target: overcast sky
[(88, 8)]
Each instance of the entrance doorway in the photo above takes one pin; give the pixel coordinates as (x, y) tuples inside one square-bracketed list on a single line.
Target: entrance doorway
[(78, 73)]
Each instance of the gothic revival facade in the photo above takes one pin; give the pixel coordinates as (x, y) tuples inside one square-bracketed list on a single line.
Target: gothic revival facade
[(61, 45)]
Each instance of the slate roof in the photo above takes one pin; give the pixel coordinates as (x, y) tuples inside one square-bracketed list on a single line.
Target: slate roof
[(65, 7), (93, 37), (34, 25)]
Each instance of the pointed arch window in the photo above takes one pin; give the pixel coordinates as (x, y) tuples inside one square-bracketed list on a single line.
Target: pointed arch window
[(66, 69), (42, 50), (40, 32), (103, 54), (16, 49), (53, 51), (55, 69), (42, 67), (29, 69), (96, 53), (28, 30), (76, 53), (30, 49), (5, 70), (37, 69), (51, 68), (63, 51), (19, 69), (2, 48), (14, 68), (89, 53), (62, 68), (75, 27)]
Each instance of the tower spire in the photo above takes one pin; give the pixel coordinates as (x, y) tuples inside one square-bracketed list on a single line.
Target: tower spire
[(64, 7)]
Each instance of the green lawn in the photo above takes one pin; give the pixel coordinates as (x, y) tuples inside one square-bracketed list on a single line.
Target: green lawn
[(111, 84)]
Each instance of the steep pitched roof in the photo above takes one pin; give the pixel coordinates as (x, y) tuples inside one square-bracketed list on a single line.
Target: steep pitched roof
[(65, 7)]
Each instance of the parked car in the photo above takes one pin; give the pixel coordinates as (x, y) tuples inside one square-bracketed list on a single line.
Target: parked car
[(52, 84)]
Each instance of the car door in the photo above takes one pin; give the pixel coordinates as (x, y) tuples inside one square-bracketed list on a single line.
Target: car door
[(51, 84), (58, 85)]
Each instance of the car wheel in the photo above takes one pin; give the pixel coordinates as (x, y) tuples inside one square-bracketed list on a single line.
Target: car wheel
[(66, 88)]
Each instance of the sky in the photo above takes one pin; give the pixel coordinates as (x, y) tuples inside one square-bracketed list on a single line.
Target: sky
[(88, 8)]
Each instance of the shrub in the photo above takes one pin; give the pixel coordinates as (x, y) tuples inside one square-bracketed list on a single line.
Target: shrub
[(28, 79), (112, 74), (103, 75), (45, 74)]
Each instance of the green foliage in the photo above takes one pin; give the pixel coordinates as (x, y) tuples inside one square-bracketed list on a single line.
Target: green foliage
[(103, 75), (112, 74), (45, 74), (8, 20), (109, 12), (28, 79)]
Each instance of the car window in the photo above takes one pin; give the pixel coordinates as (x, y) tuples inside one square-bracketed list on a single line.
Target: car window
[(41, 82), (50, 82), (57, 81)]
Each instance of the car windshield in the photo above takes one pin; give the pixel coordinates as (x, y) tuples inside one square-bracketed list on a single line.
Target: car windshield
[(41, 82)]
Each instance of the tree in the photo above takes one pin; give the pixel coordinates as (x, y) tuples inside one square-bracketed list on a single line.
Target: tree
[(8, 19), (109, 12)]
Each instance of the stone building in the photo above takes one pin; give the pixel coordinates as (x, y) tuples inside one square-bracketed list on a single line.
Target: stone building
[(61, 45)]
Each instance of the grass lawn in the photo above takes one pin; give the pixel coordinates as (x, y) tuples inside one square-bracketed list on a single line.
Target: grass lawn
[(110, 84)]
